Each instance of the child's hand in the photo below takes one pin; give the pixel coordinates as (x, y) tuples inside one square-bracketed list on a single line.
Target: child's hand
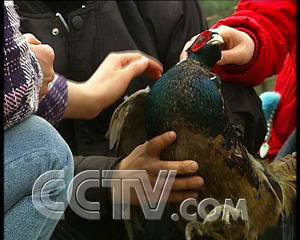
[(111, 79), (238, 47)]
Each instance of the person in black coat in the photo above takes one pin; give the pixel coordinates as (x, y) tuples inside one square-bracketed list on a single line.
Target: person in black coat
[(82, 34)]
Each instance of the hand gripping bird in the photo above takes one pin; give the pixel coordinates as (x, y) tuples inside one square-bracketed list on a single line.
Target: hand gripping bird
[(188, 100)]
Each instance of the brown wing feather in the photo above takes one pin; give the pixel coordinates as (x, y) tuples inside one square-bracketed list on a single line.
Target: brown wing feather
[(127, 126)]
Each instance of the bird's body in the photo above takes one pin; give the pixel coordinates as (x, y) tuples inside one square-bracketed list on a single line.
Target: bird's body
[(188, 100)]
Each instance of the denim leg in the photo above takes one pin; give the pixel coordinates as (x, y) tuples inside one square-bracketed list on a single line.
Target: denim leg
[(32, 148)]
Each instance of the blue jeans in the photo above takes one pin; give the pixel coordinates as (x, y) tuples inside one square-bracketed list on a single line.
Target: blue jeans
[(32, 148)]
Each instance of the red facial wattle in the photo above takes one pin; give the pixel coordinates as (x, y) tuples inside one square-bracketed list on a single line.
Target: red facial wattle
[(201, 40)]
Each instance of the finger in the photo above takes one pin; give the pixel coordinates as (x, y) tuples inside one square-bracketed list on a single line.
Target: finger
[(187, 183), (49, 51), (184, 55), (123, 58), (227, 57), (182, 167), (135, 68), (225, 32), (155, 145), (30, 38), (232, 56), (44, 51), (189, 43), (154, 68), (179, 197), (238, 46), (134, 63)]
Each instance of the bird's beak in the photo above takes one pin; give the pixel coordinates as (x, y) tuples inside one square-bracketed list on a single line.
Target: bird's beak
[(216, 38)]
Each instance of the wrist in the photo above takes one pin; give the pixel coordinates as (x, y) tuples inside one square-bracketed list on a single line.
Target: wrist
[(125, 164), (92, 100), (121, 165), (117, 167)]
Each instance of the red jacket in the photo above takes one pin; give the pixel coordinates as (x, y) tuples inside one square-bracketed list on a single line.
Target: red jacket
[(272, 26)]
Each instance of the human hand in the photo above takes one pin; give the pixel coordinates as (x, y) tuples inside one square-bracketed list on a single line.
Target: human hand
[(238, 47), (45, 55), (146, 157), (111, 79), (184, 54)]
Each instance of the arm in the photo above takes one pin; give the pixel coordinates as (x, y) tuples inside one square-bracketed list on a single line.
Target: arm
[(257, 38), (22, 73), (68, 99)]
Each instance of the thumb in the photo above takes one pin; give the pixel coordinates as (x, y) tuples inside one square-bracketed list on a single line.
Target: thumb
[(231, 56), (157, 144), (135, 68), (226, 57), (30, 38), (235, 55)]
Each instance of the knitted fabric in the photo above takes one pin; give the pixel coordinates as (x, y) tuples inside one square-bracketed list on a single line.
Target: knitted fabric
[(22, 73), (23, 78)]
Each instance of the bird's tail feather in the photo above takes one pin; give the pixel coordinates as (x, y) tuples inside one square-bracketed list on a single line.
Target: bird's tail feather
[(284, 171)]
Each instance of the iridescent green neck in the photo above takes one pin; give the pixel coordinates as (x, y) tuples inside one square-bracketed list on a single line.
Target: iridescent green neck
[(208, 55)]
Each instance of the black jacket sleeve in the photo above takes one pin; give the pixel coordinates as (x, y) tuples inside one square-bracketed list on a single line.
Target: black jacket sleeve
[(74, 227), (102, 194)]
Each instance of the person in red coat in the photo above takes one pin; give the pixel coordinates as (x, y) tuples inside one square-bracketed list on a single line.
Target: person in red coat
[(260, 41)]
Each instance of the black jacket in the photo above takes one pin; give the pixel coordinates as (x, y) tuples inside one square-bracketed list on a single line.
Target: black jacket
[(158, 28)]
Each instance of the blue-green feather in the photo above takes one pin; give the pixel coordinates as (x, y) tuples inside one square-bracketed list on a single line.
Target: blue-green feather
[(187, 94)]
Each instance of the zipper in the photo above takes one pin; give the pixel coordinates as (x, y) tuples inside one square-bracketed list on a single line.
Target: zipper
[(61, 18)]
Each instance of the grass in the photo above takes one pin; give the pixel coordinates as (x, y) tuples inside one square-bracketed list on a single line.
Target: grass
[(215, 10)]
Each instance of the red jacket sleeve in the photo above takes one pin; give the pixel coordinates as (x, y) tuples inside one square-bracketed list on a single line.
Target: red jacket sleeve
[(272, 26)]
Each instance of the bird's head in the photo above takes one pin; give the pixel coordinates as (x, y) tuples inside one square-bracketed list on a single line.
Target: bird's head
[(206, 48)]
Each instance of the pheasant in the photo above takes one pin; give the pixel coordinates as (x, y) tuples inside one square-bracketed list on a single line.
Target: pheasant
[(187, 99)]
